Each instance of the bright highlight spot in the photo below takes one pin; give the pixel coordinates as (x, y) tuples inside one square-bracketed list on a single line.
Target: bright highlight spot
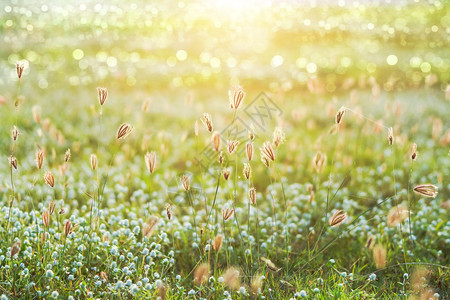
[(392, 60), (78, 54), (277, 61)]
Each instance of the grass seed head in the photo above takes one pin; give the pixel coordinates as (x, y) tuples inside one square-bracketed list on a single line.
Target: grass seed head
[(236, 95), (256, 284), (216, 140), (414, 151), (207, 122), (232, 146), (185, 182), (20, 65), (196, 128), (46, 218), (15, 133), (67, 155), (51, 207), (217, 243), (231, 278), (337, 218), (227, 213), (39, 158), (249, 150), (339, 115), (379, 256), (102, 94), (36, 110), (426, 190), (391, 135), (267, 151), (201, 274), (397, 215), (247, 171), (221, 157), (150, 226), (67, 228), (168, 212), (270, 265), (15, 249), (278, 136), (252, 195), (94, 162), (150, 161), (124, 130), (226, 172), (319, 161), (13, 162)]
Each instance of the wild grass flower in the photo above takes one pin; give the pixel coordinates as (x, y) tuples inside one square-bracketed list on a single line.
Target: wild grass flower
[(207, 122), (94, 162), (256, 284), (397, 215), (370, 242), (267, 151), (419, 279), (339, 115), (67, 155), (168, 212), (426, 190), (278, 136), (49, 179), (51, 207), (319, 161), (221, 157), (13, 162), (247, 171), (232, 146), (270, 265), (124, 130), (379, 256), (102, 94), (337, 218), (216, 140), (185, 182), (217, 242), (231, 278), (150, 226), (46, 218), (67, 228), (15, 133), (36, 110), (39, 158), (236, 95), (226, 172), (391, 135), (227, 213), (201, 274), (15, 249), (20, 66), (104, 276), (249, 151), (414, 151), (252, 195), (150, 161)]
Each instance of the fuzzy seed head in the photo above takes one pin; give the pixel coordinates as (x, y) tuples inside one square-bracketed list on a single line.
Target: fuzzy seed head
[(339, 115), (232, 146), (67, 228), (397, 215), (227, 213), (94, 162), (426, 190), (249, 150), (150, 161), (185, 182), (15, 133), (102, 94), (207, 122), (13, 162), (67, 155), (226, 172), (379, 256), (36, 114), (337, 218), (216, 141), (319, 161), (231, 278), (46, 218), (15, 249), (414, 151), (217, 243), (252, 195), (20, 65), (49, 179), (236, 95), (278, 136), (51, 207), (124, 130), (247, 171), (39, 158), (150, 226), (168, 212), (201, 274), (270, 265), (391, 135)]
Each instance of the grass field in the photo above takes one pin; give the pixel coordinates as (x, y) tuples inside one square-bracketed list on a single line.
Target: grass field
[(224, 150)]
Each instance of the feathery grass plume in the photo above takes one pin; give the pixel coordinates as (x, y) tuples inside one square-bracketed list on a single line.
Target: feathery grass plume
[(339, 115), (67, 155), (311, 197), (249, 150), (207, 122), (150, 161), (414, 151), (267, 151), (278, 136), (232, 146), (270, 265), (51, 207), (49, 179), (236, 95), (94, 162), (265, 161), (39, 158), (217, 243), (67, 228), (419, 279), (20, 65), (256, 284), (124, 130), (168, 212), (337, 218), (227, 213), (15, 133), (162, 289), (13, 162), (252, 195), (185, 182), (216, 140), (102, 94), (150, 226), (379, 256), (231, 278), (391, 135), (196, 128), (46, 218), (370, 242), (15, 249), (226, 173), (426, 190), (221, 157), (247, 171), (397, 215), (36, 110), (201, 274), (319, 161)]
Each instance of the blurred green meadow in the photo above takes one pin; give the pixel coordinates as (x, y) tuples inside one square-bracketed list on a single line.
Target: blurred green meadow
[(352, 97)]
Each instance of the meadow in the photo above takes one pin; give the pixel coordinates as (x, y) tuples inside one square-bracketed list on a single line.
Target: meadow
[(224, 149)]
